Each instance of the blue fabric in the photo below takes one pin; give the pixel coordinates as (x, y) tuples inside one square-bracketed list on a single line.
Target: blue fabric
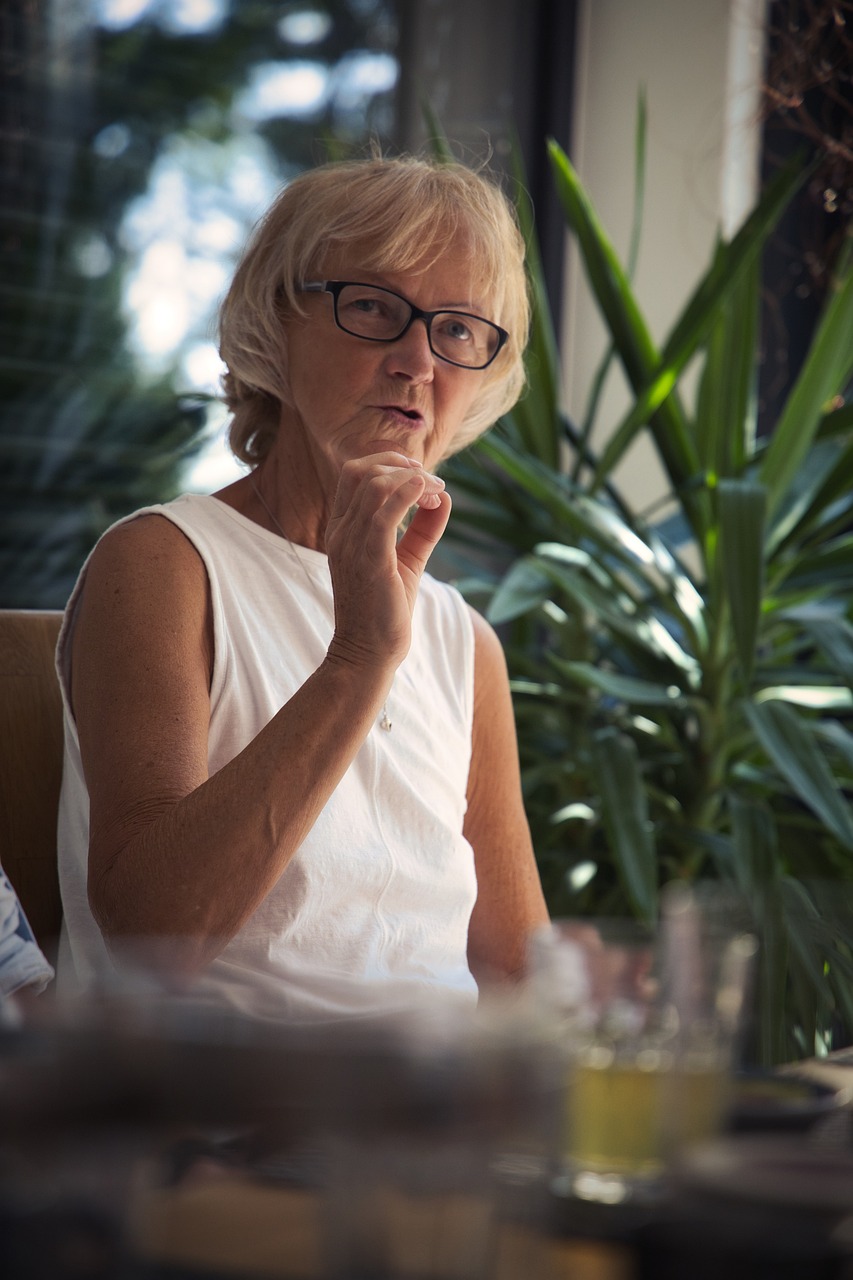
[(22, 963)]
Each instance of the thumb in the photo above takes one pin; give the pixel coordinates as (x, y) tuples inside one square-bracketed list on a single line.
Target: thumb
[(423, 535)]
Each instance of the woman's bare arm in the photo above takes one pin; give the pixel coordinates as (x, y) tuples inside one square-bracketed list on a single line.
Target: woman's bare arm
[(510, 903)]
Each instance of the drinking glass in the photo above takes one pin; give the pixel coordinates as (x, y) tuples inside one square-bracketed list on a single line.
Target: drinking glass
[(645, 1022)]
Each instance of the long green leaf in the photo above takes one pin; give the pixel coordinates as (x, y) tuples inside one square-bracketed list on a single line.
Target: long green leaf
[(814, 697), (728, 266), (741, 507), (609, 282), (838, 740), (625, 322), (756, 845), (634, 692), (523, 588), (806, 930), (638, 197), (827, 370), (822, 490), (834, 637), (441, 148), (756, 872), (726, 404), (838, 421), (700, 314), (683, 592), (775, 1045), (592, 518), (643, 630), (600, 375), (538, 411), (828, 568), (625, 814), (816, 954), (792, 748), (832, 930)]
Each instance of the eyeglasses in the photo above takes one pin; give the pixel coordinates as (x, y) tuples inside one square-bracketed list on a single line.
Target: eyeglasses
[(380, 315)]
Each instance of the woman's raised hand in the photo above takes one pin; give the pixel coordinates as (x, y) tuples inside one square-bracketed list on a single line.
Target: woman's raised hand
[(376, 574)]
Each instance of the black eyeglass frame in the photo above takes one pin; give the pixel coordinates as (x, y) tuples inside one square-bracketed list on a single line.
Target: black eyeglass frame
[(334, 287)]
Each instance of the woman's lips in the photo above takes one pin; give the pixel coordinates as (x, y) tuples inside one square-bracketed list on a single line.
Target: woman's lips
[(399, 413)]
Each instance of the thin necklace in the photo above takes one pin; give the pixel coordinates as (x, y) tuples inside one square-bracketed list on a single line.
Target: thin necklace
[(385, 721)]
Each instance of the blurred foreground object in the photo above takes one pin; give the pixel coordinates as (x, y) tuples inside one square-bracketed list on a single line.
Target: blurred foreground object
[(647, 1022), (229, 1146)]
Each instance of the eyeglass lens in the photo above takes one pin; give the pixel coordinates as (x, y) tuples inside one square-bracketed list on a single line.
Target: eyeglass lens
[(371, 312)]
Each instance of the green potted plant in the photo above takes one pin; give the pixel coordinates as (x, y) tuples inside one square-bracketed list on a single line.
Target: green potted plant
[(683, 685)]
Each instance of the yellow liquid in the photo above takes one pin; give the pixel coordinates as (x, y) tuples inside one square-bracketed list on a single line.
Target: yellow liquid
[(625, 1118)]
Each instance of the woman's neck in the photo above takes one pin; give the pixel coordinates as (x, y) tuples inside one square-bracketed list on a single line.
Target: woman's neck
[(285, 495)]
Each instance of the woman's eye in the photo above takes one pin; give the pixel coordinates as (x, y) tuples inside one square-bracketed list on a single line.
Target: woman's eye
[(457, 330), (368, 306)]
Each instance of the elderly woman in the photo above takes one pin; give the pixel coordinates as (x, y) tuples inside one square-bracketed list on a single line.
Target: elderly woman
[(291, 771)]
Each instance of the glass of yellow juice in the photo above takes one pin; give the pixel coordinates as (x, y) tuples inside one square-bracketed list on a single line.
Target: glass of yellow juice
[(626, 1116), (645, 1020)]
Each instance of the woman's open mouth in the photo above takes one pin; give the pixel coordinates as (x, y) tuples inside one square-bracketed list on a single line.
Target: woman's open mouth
[(413, 417)]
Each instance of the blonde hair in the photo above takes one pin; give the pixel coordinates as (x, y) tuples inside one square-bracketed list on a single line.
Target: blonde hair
[(397, 214)]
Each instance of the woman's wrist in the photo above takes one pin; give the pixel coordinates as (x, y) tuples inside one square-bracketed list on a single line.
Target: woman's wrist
[(375, 671)]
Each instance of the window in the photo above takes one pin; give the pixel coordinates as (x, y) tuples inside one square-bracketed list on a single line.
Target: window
[(140, 141)]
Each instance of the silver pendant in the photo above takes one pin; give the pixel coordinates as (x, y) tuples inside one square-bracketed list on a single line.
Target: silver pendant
[(385, 722)]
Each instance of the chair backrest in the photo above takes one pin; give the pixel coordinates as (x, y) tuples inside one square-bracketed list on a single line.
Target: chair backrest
[(31, 765)]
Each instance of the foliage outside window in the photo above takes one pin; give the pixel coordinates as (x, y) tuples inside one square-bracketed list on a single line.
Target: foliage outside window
[(141, 140)]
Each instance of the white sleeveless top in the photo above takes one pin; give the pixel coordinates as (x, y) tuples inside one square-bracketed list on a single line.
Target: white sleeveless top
[(373, 910)]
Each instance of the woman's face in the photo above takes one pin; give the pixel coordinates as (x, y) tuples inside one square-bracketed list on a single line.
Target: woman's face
[(351, 397)]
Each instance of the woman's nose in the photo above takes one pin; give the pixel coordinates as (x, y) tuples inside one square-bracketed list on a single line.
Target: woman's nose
[(411, 355)]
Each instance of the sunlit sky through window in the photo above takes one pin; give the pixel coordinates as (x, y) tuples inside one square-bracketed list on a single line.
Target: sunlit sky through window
[(183, 235), (284, 88), (182, 238), (305, 26), (181, 17)]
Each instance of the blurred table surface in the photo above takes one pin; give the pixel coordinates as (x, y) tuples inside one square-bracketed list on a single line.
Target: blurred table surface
[(92, 1114), (836, 1070)]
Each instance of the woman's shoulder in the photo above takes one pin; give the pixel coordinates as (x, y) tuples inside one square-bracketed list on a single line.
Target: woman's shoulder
[(179, 528), (145, 566), (145, 537), (144, 582)]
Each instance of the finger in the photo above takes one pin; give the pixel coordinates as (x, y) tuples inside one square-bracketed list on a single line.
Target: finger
[(357, 470), (392, 458), (368, 520), (423, 534), (354, 472), (430, 499), (387, 493)]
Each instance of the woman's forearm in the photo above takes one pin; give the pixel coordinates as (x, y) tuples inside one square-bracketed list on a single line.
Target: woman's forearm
[(185, 872)]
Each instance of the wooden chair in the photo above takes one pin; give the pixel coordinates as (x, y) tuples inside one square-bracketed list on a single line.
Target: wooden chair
[(31, 766)]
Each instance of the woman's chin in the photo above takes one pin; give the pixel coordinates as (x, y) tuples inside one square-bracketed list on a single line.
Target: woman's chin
[(409, 447)]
